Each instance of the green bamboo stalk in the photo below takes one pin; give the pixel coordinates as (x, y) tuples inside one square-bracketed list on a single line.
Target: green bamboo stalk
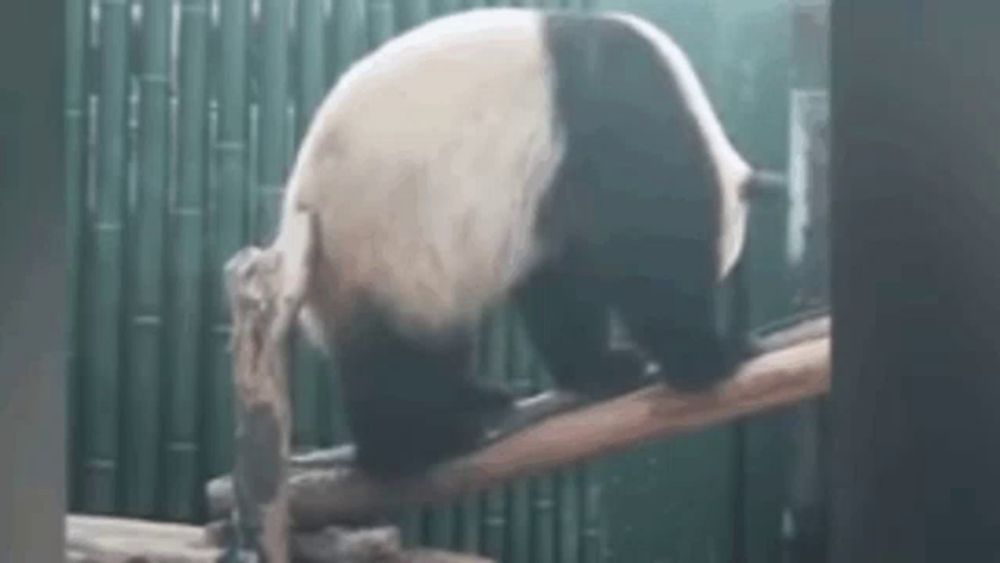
[(75, 123), (103, 401), (470, 507), (441, 526), (543, 518), (349, 35), (331, 23), (441, 7), (307, 400), (88, 305), (542, 487), (593, 547), (230, 147), (381, 21), (311, 60), (131, 228), (88, 275), (519, 533), (521, 380), (227, 223), (569, 515), (142, 445), (223, 221), (273, 127), (473, 4), (410, 13), (470, 524), (495, 518), (187, 235), (410, 527)]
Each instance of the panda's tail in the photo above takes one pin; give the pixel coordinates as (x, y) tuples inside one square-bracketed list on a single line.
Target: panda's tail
[(766, 184)]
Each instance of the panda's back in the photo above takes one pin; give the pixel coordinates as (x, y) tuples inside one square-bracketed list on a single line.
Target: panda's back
[(427, 161), (430, 159)]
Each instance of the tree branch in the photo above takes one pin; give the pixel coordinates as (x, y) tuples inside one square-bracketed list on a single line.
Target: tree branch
[(796, 368), (265, 289)]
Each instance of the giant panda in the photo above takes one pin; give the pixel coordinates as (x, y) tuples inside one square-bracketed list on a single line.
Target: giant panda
[(570, 164)]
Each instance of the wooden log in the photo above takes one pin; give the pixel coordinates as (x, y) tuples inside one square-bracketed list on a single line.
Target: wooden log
[(98, 539), (95, 539), (797, 368), (265, 289)]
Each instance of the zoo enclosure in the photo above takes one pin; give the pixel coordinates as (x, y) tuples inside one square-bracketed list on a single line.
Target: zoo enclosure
[(182, 119)]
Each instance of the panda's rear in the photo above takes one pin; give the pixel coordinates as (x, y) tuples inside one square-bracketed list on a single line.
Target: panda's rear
[(428, 162), (569, 163)]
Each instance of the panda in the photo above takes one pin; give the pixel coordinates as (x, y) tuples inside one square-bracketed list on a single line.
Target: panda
[(570, 164)]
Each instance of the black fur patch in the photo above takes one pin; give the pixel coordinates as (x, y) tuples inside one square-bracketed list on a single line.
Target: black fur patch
[(637, 175), (634, 211), (411, 401)]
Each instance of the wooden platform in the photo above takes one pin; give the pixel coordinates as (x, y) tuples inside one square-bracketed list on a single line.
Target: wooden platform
[(96, 539)]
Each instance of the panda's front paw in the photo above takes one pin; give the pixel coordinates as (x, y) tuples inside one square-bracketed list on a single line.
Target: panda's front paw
[(626, 370)]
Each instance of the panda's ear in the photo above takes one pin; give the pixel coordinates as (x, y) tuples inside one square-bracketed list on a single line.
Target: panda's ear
[(769, 184)]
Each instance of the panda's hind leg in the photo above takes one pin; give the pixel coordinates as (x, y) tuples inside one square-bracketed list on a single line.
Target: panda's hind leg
[(411, 402), (678, 322), (567, 318)]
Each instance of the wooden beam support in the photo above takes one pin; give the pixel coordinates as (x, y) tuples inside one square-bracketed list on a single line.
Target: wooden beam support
[(797, 369), (265, 289)]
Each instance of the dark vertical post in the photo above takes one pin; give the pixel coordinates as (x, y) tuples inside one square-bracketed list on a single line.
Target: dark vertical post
[(33, 313), (916, 274)]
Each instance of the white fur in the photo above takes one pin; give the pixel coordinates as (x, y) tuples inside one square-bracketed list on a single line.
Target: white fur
[(732, 170), (458, 106)]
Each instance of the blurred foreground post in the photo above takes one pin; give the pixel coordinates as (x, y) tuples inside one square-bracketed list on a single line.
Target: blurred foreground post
[(915, 399)]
